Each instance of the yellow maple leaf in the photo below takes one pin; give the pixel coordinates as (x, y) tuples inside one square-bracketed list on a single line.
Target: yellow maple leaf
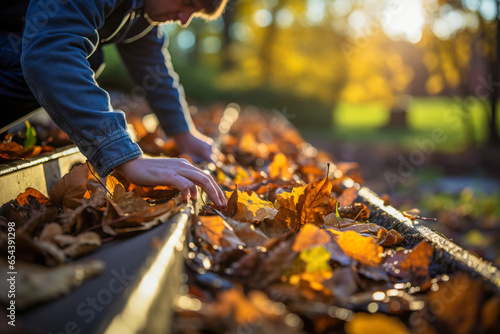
[(252, 208)]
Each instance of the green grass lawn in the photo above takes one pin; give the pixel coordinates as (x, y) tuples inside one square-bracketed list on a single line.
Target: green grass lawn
[(365, 123)]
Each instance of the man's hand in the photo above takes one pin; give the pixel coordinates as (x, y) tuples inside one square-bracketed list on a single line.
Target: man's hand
[(198, 146), (180, 173)]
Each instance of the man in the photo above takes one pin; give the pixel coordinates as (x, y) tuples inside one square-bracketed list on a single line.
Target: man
[(49, 52)]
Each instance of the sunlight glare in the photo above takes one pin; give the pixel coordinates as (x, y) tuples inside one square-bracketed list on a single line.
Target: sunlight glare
[(404, 19)]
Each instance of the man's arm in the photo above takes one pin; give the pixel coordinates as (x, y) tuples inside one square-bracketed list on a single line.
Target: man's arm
[(58, 38), (148, 62)]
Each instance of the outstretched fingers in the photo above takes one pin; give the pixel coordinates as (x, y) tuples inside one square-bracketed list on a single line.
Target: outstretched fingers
[(185, 186), (206, 182)]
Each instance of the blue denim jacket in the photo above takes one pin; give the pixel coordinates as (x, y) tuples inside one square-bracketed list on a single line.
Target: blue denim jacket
[(58, 39)]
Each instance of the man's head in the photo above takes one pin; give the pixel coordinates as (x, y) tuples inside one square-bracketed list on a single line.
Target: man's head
[(183, 10)]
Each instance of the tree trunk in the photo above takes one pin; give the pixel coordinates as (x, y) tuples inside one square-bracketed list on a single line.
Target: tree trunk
[(494, 137)]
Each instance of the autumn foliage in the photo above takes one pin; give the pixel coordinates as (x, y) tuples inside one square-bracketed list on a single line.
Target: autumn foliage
[(294, 247)]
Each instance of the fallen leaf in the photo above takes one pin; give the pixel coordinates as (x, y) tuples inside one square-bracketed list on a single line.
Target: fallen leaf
[(41, 284), (389, 238), (375, 323), (251, 208), (37, 219), (316, 259), (232, 204), (347, 197), (314, 202), (280, 168), (342, 284), (248, 233), (363, 249), (50, 231), (69, 191), (260, 268), (22, 198), (86, 215), (115, 221), (357, 211), (286, 203), (128, 201), (453, 306), (83, 244), (213, 230), (411, 264), (310, 236)]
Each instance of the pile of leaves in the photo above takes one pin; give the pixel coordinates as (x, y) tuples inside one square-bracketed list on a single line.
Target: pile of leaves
[(294, 250), (80, 213), (22, 145)]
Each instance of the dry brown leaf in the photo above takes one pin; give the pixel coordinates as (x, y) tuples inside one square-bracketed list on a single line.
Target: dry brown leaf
[(37, 219), (50, 231), (83, 244), (453, 308), (248, 233), (258, 268), (115, 221), (64, 240), (357, 211), (69, 191), (342, 284), (314, 203), (33, 251), (41, 284), (232, 204), (128, 201), (86, 215), (363, 249), (389, 238), (286, 203)]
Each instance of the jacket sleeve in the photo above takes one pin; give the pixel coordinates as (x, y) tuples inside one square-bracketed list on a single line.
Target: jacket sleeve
[(148, 62), (58, 39)]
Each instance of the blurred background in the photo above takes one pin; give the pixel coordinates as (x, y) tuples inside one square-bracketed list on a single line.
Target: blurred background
[(406, 88)]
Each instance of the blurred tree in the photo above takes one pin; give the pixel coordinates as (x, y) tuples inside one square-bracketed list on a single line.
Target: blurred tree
[(306, 56), (494, 136)]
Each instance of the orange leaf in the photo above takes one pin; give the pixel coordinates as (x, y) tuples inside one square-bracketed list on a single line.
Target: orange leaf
[(410, 263), (375, 323), (314, 203), (364, 249), (213, 230), (22, 198), (347, 197), (310, 236)]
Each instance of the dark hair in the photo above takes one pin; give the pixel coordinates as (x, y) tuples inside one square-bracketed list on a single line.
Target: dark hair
[(213, 9)]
